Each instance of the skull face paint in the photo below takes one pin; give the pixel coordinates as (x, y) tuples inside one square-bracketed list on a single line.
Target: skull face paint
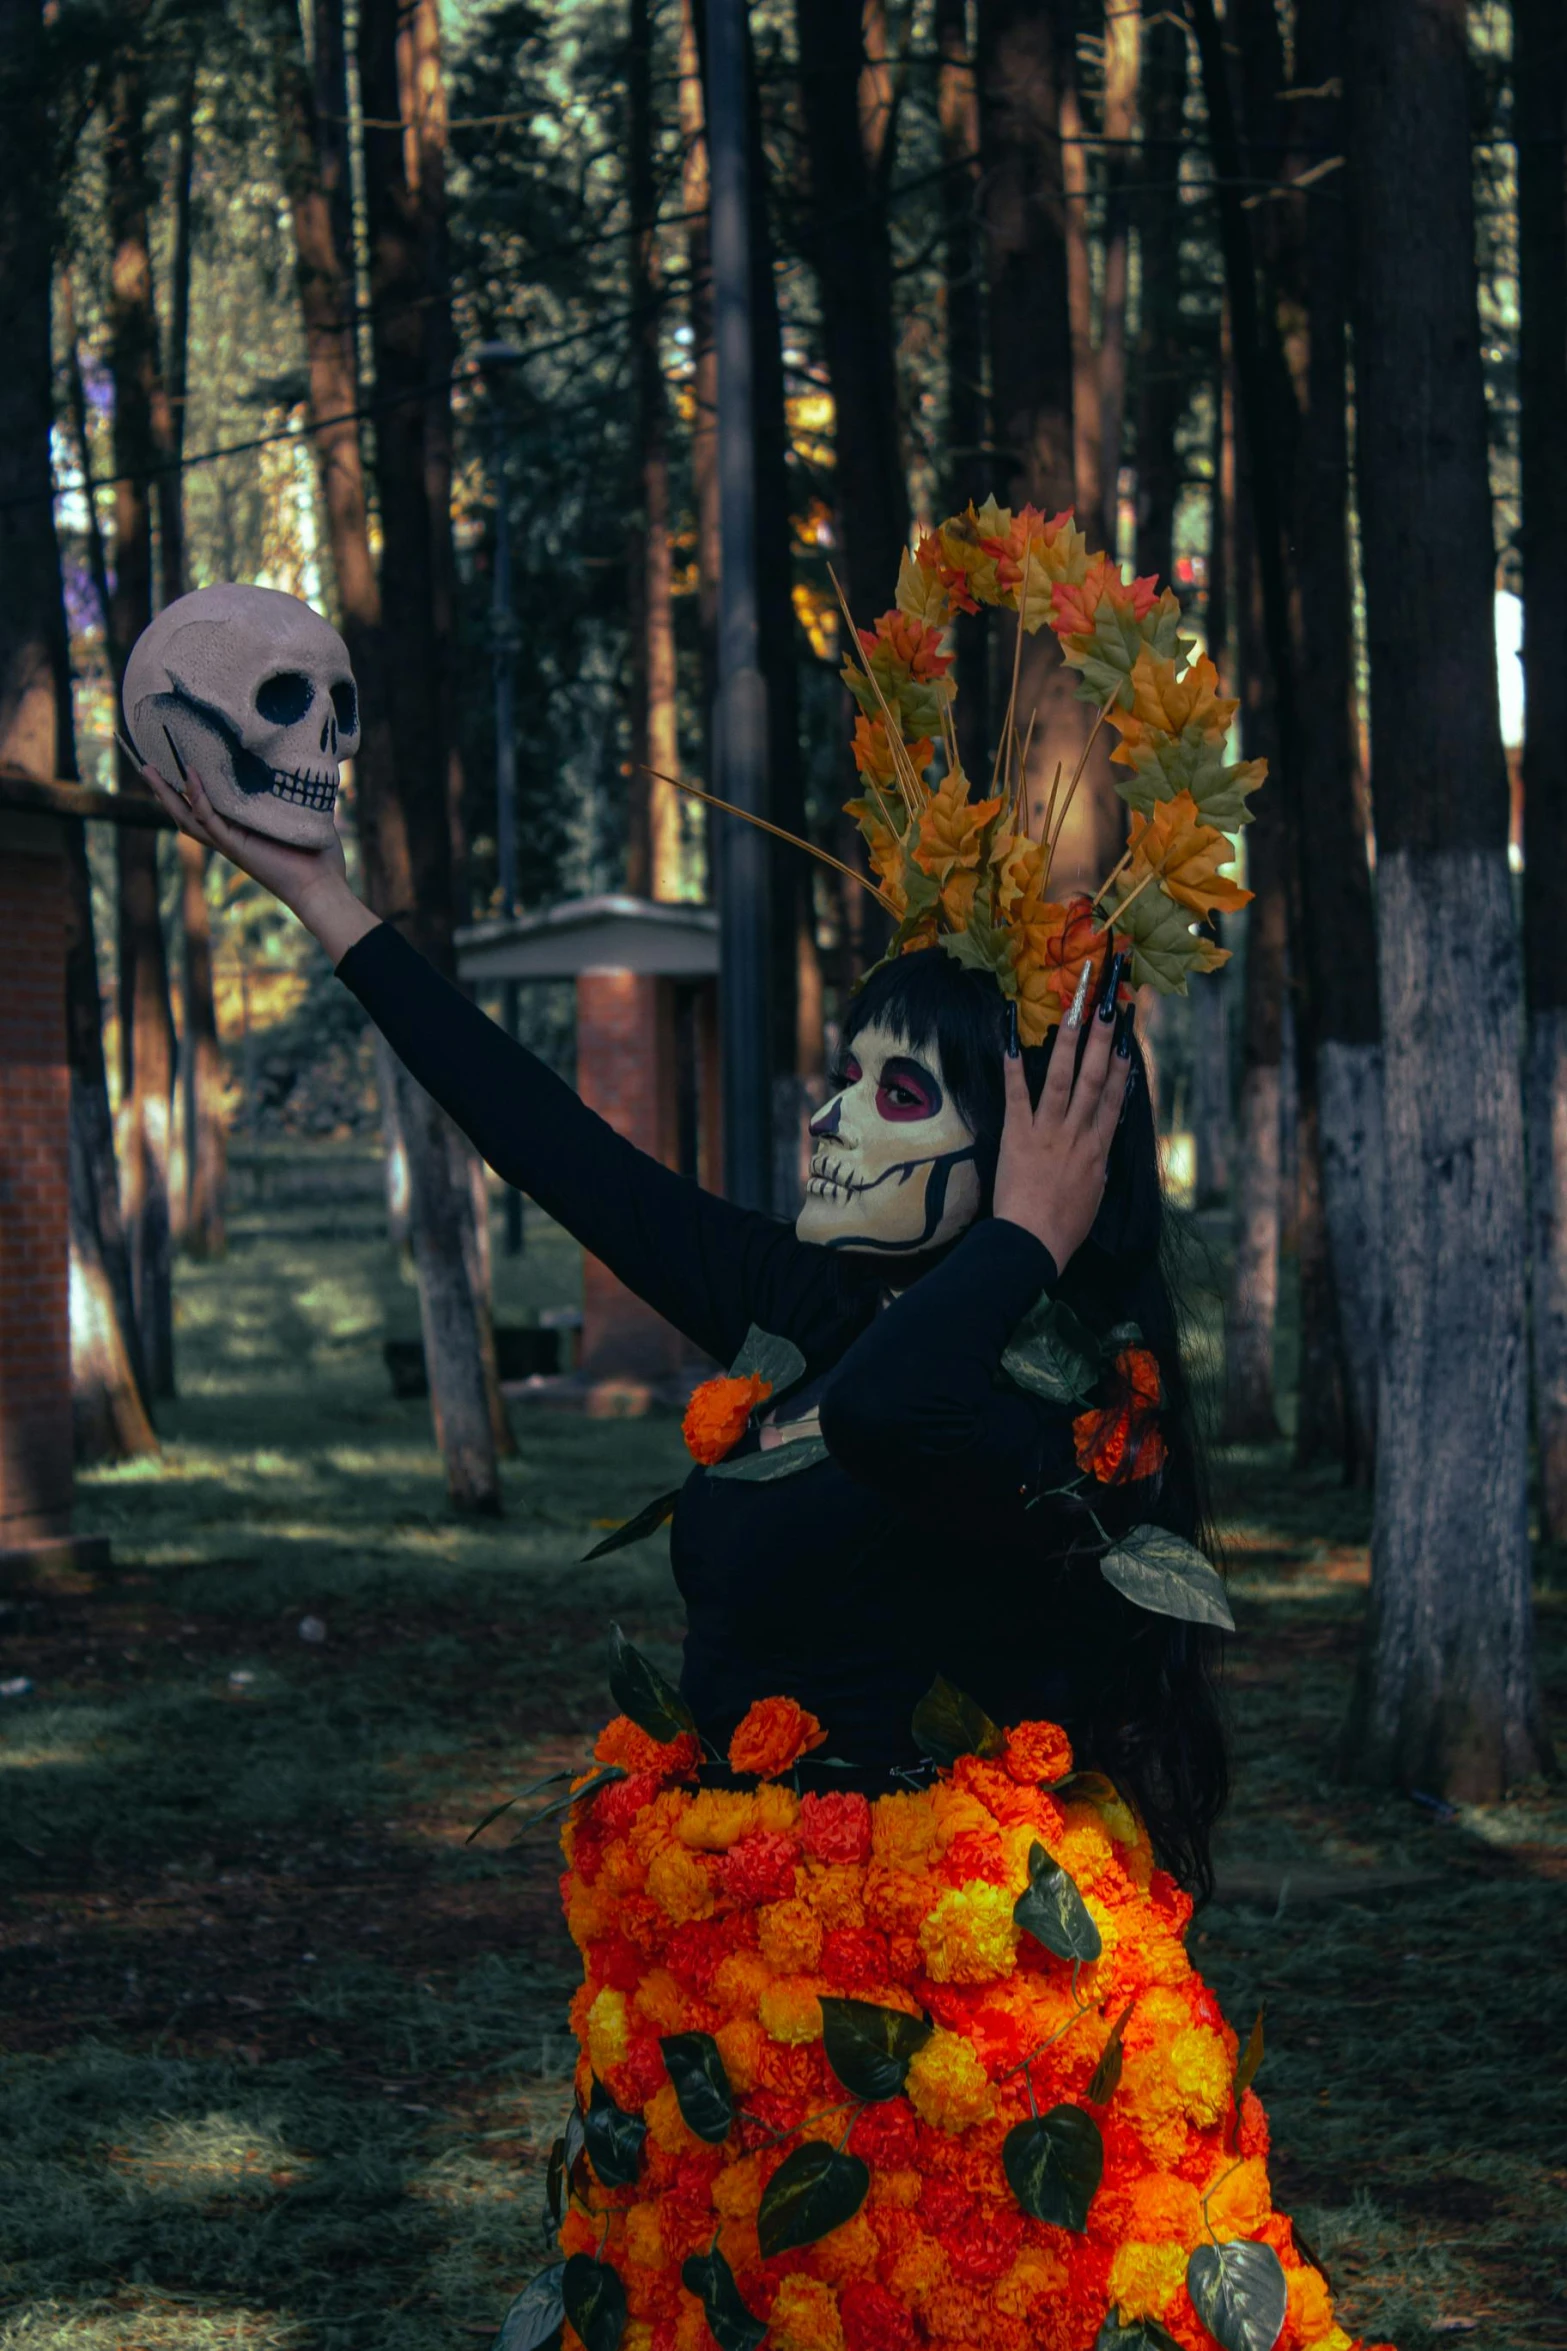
[(893, 1162), (253, 690)]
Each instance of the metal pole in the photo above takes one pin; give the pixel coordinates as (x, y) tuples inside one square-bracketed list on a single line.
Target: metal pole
[(740, 730), (503, 651)]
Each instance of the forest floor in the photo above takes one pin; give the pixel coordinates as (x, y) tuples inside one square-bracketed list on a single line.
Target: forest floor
[(285, 2053)]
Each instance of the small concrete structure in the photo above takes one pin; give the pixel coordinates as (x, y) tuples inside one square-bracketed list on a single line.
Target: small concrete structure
[(36, 1434), (647, 1061)]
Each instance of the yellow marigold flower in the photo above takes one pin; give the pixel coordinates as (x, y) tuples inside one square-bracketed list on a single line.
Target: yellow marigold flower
[(657, 1826), (1310, 2306), (903, 1831), (659, 1998), (790, 1937), (717, 1818), (1145, 2279), (609, 2036), (947, 2085), (1200, 2065), (772, 1736), (777, 1809), (849, 2251), (741, 2044), (588, 1915), (1334, 2340), (835, 1892), (644, 2238), (1239, 2199), (1162, 2206), (680, 1885), (638, 2336), (1084, 1850), (737, 2191), (791, 2011), (969, 1937), (740, 1980), (1035, 2276), (667, 2126), (805, 2316), (900, 2189), (919, 2271)]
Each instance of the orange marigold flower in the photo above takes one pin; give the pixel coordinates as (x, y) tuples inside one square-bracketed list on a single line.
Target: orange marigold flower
[(1037, 1752), (716, 1416), (836, 1827), (1121, 1441), (790, 1936), (624, 1742), (805, 2316), (1145, 2279), (969, 1936), (791, 2011), (772, 1736)]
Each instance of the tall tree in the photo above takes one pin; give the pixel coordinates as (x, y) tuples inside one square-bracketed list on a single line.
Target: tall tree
[(1122, 45), (141, 423), (704, 360), (653, 850), (1027, 103), (37, 736), (967, 475), (1540, 118), (1162, 358), (404, 810), (1446, 1697)]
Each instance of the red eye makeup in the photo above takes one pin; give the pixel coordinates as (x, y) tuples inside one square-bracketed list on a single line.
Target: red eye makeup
[(907, 1091)]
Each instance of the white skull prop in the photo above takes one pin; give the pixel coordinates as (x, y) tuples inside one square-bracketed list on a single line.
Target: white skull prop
[(893, 1160), (253, 690)]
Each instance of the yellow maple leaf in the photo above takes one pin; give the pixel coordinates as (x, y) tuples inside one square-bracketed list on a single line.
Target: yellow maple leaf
[(950, 826), (1020, 865), (921, 591), (957, 898), (1174, 845), (1164, 702), (886, 850)]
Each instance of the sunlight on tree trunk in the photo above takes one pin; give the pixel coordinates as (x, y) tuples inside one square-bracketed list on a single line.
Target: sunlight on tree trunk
[(654, 850), (1122, 42), (1446, 1698), (1162, 353)]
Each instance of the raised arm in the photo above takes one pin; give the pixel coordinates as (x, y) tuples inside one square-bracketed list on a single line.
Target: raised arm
[(708, 1267)]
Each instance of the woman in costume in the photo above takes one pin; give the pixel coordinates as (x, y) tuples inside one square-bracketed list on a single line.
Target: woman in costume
[(888, 2034)]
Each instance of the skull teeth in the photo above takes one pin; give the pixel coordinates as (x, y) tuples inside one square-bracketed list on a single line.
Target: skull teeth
[(305, 791)]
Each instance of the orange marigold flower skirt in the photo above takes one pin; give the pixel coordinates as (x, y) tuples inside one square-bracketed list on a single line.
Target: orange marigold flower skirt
[(733, 1914)]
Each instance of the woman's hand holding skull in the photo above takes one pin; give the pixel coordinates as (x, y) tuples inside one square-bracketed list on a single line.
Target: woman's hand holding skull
[(1050, 1176), (312, 883)]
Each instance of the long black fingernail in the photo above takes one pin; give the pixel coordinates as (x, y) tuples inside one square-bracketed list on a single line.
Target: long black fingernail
[(179, 763), (1125, 1021), (1014, 1042), (1112, 986)]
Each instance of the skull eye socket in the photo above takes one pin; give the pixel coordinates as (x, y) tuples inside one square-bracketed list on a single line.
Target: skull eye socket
[(285, 697), (346, 704)]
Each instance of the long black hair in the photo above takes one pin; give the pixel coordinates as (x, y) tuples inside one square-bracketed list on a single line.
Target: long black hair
[(1155, 1726)]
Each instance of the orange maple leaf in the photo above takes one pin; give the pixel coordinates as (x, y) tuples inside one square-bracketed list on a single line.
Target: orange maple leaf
[(1165, 703), (872, 751), (1076, 603), (1121, 1442), (950, 826), (886, 850), (1053, 942), (1174, 844), (906, 646)]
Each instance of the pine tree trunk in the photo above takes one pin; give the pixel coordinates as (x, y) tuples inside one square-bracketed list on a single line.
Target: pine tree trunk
[(962, 279), (146, 1023), (1122, 31), (1540, 99), (1162, 356), (1446, 1698), (704, 364), (654, 857)]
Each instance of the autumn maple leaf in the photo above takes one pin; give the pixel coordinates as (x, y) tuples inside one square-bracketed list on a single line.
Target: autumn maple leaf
[(1165, 702), (901, 646), (1173, 844), (1166, 947), (950, 826), (872, 752), (1075, 605), (1052, 944), (1173, 740), (922, 592)]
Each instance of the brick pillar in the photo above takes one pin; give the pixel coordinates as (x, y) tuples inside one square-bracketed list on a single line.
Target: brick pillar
[(35, 1099), (625, 1071)]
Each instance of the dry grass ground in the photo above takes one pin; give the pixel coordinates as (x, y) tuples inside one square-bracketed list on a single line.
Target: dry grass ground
[(283, 2053)]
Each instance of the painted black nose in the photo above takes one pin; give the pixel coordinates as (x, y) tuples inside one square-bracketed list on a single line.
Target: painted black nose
[(827, 1120), (329, 733)]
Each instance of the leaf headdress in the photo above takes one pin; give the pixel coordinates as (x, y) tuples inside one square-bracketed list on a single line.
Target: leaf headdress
[(965, 872)]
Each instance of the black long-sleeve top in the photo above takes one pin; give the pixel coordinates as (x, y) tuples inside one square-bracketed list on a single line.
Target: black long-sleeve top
[(928, 1540)]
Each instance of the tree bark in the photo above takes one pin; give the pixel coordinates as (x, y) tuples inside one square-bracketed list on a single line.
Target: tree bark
[(704, 364), (1026, 101), (1446, 1696), (962, 279), (1122, 31), (37, 735), (146, 1025), (1540, 102), (654, 851), (1161, 343)]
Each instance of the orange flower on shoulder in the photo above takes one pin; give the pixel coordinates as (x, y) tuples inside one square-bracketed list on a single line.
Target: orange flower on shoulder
[(772, 1735), (717, 1413), (1121, 1441)]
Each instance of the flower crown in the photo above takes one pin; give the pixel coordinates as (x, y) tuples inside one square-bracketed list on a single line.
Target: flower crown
[(967, 874)]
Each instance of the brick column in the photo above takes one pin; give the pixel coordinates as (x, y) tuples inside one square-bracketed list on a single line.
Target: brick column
[(35, 1098), (625, 1071)]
